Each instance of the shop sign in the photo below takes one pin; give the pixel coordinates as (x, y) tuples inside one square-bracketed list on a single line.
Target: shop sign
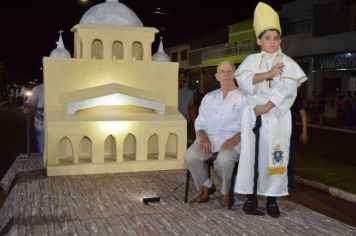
[(342, 61)]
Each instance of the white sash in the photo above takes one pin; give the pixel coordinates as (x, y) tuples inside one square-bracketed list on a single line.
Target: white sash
[(278, 144)]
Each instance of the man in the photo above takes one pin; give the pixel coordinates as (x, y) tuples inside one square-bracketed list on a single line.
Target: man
[(297, 108), (185, 103), (36, 101), (217, 130), (312, 104)]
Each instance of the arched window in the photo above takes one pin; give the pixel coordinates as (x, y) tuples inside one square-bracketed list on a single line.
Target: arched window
[(65, 151), (130, 148), (110, 149), (137, 51), (97, 49), (172, 146), (117, 50), (152, 148), (85, 150)]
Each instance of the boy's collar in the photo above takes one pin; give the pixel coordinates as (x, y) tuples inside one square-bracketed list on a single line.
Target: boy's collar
[(279, 51)]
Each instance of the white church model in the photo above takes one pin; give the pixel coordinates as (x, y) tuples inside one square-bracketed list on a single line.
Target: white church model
[(111, 108)]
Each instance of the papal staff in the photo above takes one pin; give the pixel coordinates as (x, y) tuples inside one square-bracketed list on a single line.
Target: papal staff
[(254, 205)]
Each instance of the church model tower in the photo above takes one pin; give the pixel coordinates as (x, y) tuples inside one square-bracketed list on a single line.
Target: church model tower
[(111, 108)]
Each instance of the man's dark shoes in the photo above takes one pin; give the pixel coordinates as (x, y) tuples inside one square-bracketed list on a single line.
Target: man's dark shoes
[(204, 192), (272, 207), (292, 191)]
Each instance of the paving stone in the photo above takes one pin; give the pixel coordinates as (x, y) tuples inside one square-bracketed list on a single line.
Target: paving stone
[(111, 204)]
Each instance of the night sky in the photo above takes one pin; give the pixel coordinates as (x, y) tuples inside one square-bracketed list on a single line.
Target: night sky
[(29, 29)]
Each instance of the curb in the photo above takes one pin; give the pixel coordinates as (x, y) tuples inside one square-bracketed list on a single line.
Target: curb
[(338, 129), (335, 192)]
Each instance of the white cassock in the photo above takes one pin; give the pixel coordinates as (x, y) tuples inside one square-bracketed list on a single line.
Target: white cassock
[(276, 124)]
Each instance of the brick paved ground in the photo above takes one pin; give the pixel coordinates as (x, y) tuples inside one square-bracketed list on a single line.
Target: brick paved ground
[(111, 204)]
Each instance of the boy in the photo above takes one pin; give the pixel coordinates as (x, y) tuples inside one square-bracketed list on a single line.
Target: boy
[(270, 80)]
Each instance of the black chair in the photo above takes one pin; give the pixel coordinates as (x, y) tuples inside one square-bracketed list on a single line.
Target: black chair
[(210, 163)]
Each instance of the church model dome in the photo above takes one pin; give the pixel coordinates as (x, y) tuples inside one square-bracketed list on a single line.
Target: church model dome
[(111, 13)]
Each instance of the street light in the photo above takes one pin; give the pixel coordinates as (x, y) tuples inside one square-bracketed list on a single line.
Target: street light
[(28, 93)]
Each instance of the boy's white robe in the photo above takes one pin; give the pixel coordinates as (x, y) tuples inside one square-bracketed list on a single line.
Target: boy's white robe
[(276, 124)]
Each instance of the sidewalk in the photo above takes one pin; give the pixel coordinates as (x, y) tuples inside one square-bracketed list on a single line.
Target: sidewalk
[(335, 192), (345, 129), (111, 204)]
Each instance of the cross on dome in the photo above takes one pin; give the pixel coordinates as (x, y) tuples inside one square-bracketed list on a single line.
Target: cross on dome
[(160, 55), (60, 51)]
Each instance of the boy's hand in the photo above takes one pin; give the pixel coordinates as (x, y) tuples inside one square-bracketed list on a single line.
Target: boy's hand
[(261, 109), (277, 69)]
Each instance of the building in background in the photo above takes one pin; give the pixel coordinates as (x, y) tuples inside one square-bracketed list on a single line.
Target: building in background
[(319, 35)]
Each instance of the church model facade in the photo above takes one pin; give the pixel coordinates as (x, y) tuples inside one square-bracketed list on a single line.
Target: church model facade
[(111, 108)]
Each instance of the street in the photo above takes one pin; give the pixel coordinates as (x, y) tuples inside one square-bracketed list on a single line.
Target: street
[(12, 135), (332, 144)]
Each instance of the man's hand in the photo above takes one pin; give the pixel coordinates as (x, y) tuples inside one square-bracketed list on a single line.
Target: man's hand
[(303, 138), (231, 142), (205, 147), (205, 143), (26, 108), (228, 144)]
